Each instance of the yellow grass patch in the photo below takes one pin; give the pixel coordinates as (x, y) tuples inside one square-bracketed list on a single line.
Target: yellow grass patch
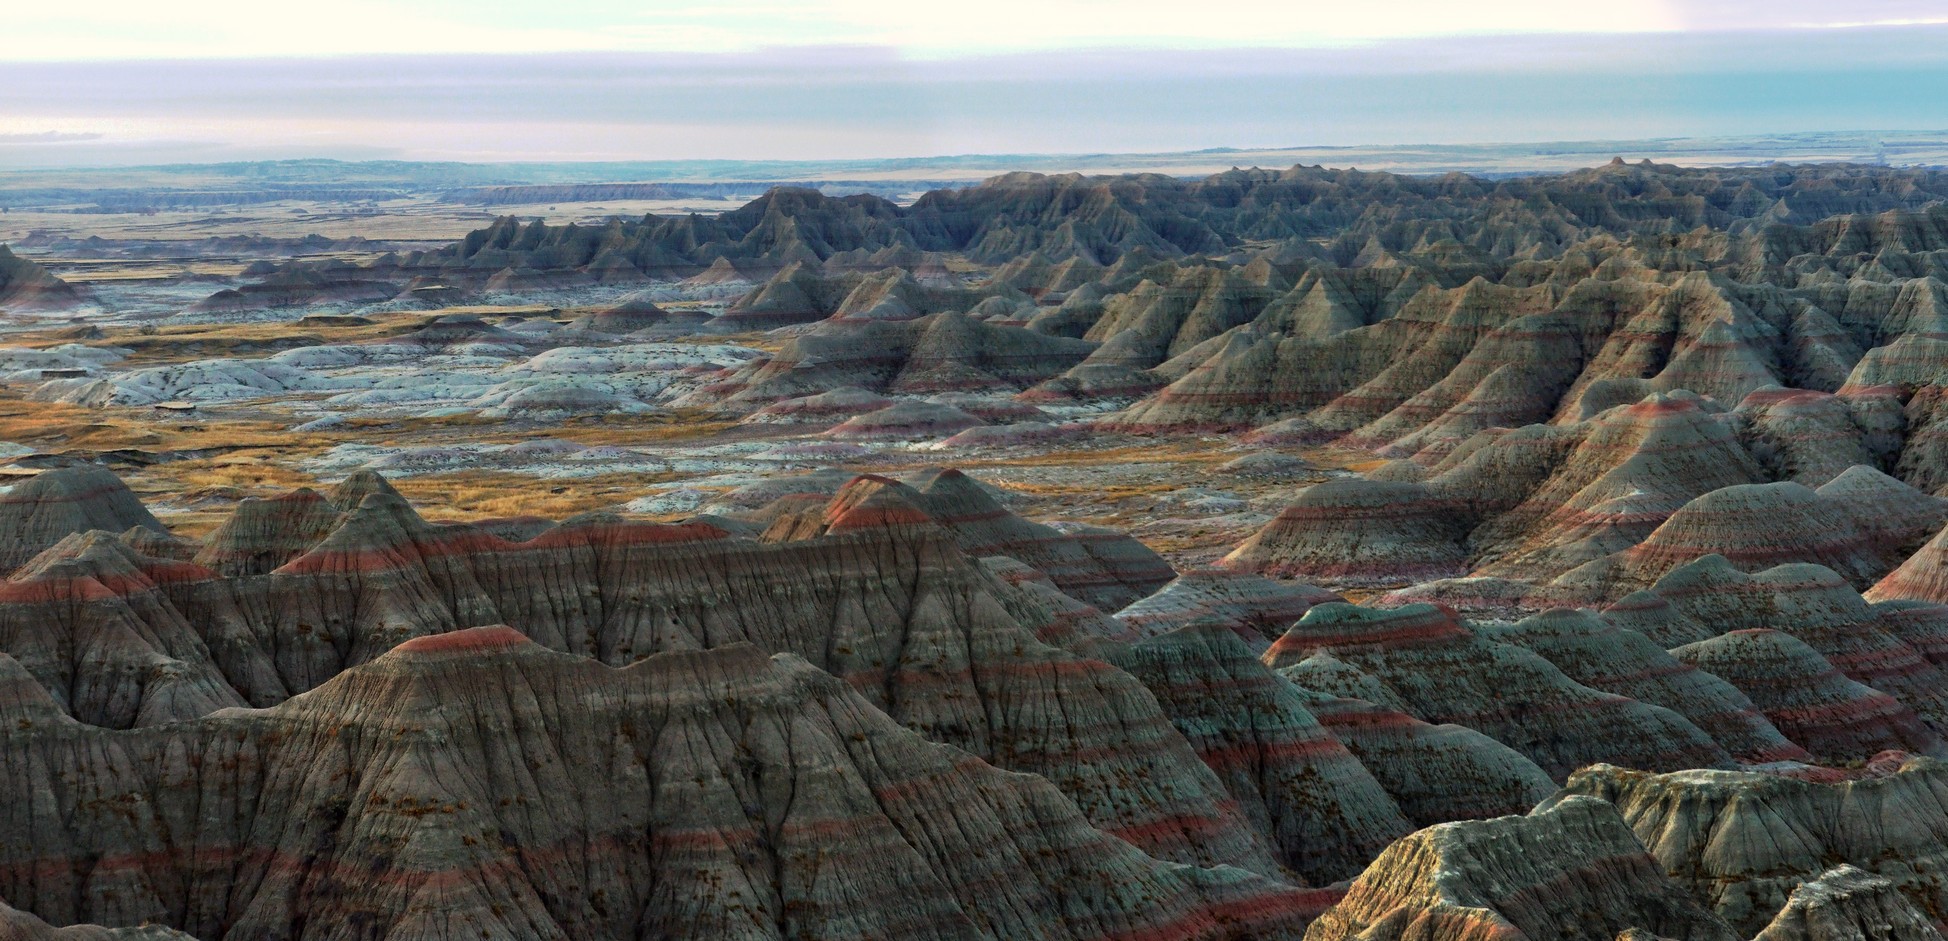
[(478, 494)]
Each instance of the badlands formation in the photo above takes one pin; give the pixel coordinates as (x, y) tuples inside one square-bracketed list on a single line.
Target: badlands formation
[(1312, 554)]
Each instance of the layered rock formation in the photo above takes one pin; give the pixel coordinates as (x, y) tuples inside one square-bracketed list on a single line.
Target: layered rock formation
[(639, 314), (1573, 871), (1848, 903), (1703, 408), (945, 352), (1298, 784), (885, 599), (25, 285), (47, 507), (1747, 842), (1752, 526), (1922, 577), (1257, 609), (1807, 698), (1799, 634), (476, 783), (905, 421), (1357, 532), (1434, 773), (16, 925), (1106, 569), (1621, 661), (1444, 671)]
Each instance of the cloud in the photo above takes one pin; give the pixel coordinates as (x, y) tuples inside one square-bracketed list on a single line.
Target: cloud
[(135, 29), (852, 101), (49, 137)]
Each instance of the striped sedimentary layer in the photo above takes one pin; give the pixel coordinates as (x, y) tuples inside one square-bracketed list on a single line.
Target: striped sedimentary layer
[(941, 352), (1922, 577), (887, 601), (1100, 567), (1257, 608), (905, 421), (475, 784), (1752, 526), (1356, 532), (1528, 505), (45, 508), (1621, 661), (1326, 814), (1573, 871), (1518, 520), (1806, 697), (1847, 903), (1628, 472), (1434, 773), (1744, 842), (1892, 648), (1446, 672)]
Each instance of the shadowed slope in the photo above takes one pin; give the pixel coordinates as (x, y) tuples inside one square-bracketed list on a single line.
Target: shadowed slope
[(1744, 842), (886, 601), (474, 784)]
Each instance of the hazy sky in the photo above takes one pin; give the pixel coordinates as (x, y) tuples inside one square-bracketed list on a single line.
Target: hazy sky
[(109, 29), (123, 81)]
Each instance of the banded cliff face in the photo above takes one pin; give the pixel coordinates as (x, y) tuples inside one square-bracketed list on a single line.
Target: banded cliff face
[(1103, 568), (1745, 842), (1446, 672), (1621, 661), (944, 351), (301, 728), (1853, 676), (474, 784), (1531, 504), (49, 506), (1357, 533), (1258, 609), (1434, 773), (1573, 871), (1412, 349), (1922, 577), (886, 600), (1847, 902), (1804, 673), (1587, 513), (1327, 814)]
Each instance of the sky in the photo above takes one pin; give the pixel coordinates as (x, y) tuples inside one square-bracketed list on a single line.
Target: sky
[(122, 81)]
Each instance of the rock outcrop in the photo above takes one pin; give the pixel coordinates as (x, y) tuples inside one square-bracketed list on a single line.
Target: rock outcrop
[(1353, 532), (1807, 698), (1848, 904), (1923, 577), (16, 925), (1298, 784), (1744, 842), (881, 595), (1434, 773), (1106, 569), (1572, 871), (55, 504), (1258, 609), (476, 783), (943, 352), (25, 285), (1621, 661), (1446, 672)]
